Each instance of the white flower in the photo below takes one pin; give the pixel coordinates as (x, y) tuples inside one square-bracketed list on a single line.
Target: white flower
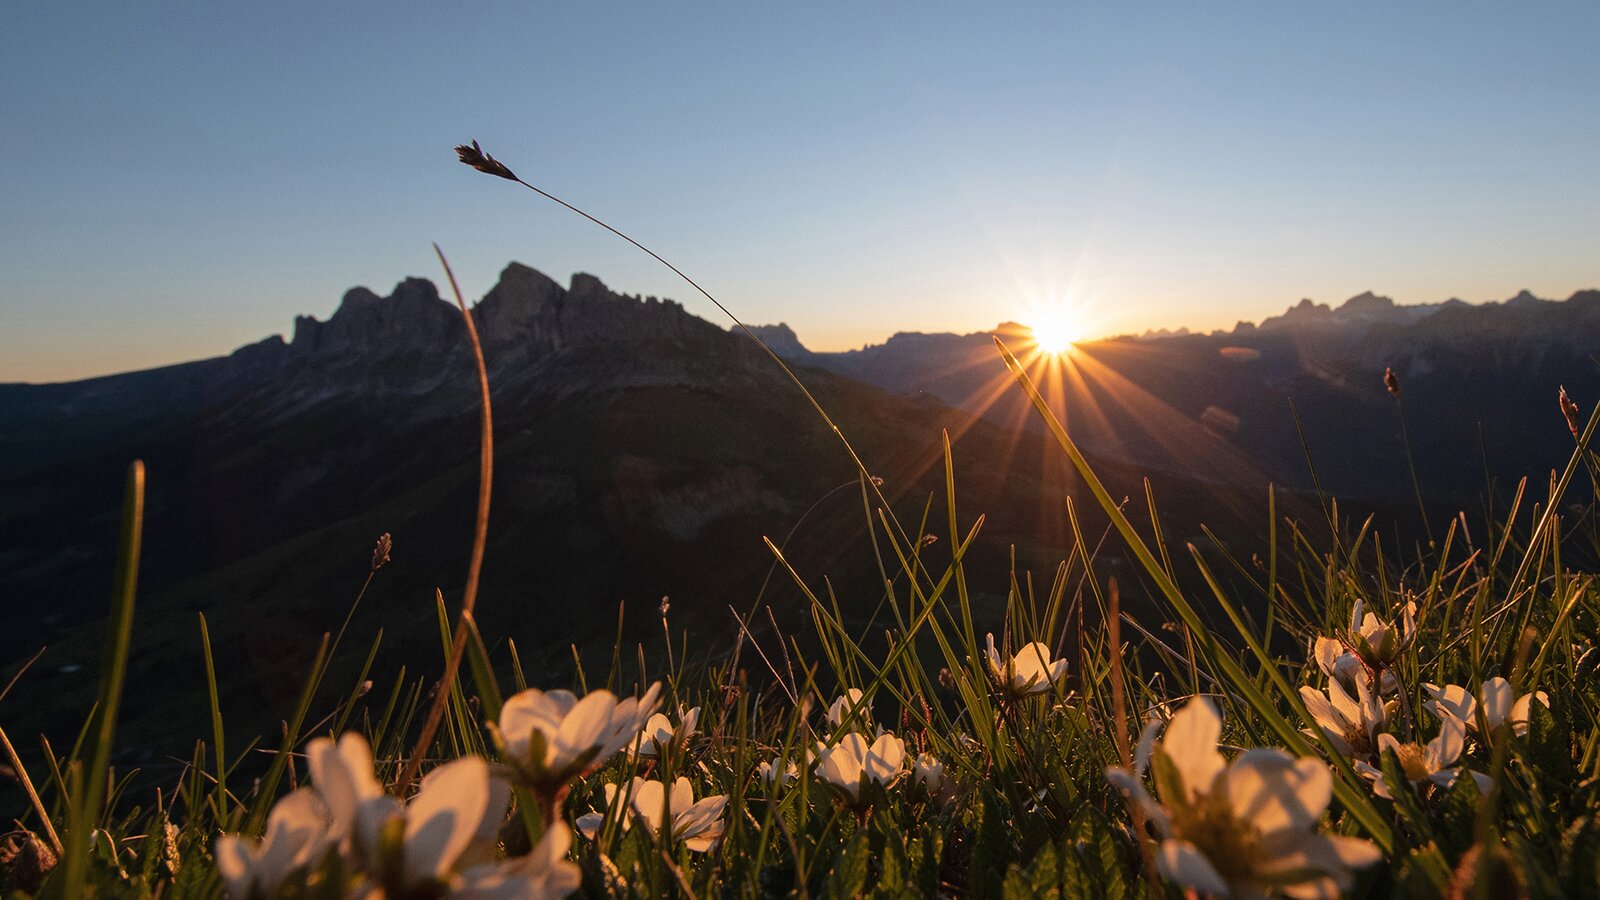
[(1498, 705), (553, 737), (1433, 762), (777, 772), (590, 823), (296, 836), (1031, 671), (1370, 644), (697, 824), (342, 774), (417, 847), (659, 736), (853, 764), (1336, 661), (1351, 724), (543, 874), (851, 704), (929, 772), (1377, 642), (1244, 828)]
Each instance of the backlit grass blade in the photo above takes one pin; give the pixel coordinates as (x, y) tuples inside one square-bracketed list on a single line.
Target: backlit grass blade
[(91, 781), (221, 795)]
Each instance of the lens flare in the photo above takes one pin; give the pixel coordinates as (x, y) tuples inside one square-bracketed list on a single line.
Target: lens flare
[(1055, 332)]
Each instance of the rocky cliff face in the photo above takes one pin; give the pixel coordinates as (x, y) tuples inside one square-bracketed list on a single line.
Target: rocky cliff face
[(538, 337)]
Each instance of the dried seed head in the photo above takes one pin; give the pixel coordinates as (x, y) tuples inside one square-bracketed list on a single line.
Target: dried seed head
[(1570, 411), (380, 551), (483, 162), (1391, 382), (170, 855), (666, 604), (929, 540)]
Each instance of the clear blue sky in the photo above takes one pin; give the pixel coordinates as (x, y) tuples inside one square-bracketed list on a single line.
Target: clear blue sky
[(183, 178)]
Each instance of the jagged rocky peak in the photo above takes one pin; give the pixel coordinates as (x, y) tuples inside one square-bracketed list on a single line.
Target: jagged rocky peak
[(586, 285), (412, 315), (1366, 303), (781, 338), (1525, 297), (525, 304), (527, 312)]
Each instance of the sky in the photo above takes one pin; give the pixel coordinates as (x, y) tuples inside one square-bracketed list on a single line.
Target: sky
[(180, 179)]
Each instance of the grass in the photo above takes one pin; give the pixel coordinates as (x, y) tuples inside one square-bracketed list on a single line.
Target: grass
[(976, 786)]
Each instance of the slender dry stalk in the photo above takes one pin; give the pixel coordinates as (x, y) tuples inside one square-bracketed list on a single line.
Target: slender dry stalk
[(474, 156), (480, 537)]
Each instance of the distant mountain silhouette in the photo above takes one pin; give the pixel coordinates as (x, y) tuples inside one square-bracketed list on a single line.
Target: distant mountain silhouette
[(640, 452), (1479, 384)]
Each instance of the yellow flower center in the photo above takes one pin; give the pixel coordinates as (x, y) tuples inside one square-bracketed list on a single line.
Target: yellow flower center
[(1360, 743), (1414, 760), (1230, 844)]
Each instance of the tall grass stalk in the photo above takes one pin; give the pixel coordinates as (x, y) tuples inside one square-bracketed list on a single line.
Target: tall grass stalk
[(480, 537)]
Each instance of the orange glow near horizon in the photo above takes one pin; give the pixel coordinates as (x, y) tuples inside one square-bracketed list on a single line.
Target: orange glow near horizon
[(1055, 333), (1054, 323)]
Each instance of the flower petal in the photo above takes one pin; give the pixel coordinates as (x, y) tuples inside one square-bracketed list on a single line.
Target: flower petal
[(1276, 792), (1498, 700), (584, 728), (1453, 699), (682, 796), (884, 760), (233, 859), (650, 802), (444, 816), (1190, 742), (1446, 748), (1323, 713), (1327, 651), (1182, 861), (342, 774), (1147, 743), (701, 818)]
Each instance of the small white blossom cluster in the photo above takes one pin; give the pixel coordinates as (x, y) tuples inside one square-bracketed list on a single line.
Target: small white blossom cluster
[(347, 836), (859, 761), (1360, 724), (344, 827), (1028, 672)]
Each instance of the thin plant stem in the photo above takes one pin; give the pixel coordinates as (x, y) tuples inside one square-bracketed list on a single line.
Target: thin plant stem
[(1411, 463), (480, 538)]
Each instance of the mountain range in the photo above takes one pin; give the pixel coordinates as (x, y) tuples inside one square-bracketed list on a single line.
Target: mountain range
[(643, 452), (1298, 399)]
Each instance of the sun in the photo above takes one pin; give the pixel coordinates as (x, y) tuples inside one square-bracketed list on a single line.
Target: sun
[(1055, 331)]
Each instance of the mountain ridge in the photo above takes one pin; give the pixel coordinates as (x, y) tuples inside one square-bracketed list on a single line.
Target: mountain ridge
[(1476, 376)]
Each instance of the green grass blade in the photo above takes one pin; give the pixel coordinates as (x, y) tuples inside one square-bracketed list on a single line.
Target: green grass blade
[(89, 796), (220, 802)]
